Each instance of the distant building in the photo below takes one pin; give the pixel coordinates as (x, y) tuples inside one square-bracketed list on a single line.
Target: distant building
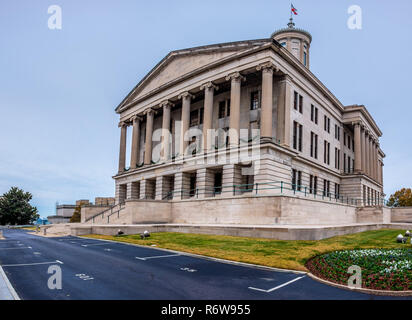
[(65, 211)]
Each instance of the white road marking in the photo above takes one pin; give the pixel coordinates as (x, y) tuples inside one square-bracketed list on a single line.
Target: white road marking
[(30, 264), (188, 269), (155, 257), (8, 284), (278, 287), (95, 244), (16, 248), (72, 239)]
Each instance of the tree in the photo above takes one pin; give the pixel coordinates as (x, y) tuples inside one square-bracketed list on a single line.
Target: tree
[(76, 215), (15, 208), (401, 198)]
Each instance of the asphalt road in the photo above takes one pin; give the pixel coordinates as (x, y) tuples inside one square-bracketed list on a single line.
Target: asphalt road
[(93, 269)]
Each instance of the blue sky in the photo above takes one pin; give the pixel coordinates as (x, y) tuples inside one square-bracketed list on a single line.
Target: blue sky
[(58, 88)]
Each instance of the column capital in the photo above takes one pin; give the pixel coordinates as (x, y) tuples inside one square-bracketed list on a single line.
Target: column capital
[(166, 104), (149, 112), (235, 76), (123, 124), (209, 85), (185, 95), (267, 67), (135, 118), (357, 123)]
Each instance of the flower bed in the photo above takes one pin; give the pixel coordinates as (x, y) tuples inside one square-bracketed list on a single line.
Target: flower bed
[(382, 269)]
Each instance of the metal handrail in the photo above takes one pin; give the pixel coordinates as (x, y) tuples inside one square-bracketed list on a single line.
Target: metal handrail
[(276, 185), (103, 212)]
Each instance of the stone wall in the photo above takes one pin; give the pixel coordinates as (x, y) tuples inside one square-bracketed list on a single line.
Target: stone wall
[(402, 214), (89, 211), (246, 210)]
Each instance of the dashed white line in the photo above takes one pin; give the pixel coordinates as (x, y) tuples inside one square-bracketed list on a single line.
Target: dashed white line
[(278, 287), (16, 248), (156, 257)]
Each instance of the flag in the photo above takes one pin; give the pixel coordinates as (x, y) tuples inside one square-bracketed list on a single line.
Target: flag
[(294, 10)]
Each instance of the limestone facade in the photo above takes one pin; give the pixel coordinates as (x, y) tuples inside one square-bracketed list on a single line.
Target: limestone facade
[(245, 118)]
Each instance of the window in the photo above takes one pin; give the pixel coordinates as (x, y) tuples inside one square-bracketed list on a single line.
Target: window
[(337, 158), (295, 100), (327, 124), (297, 136), (283, 44), (313, 184), (218, 182), (326, 187), (200, 115), (314, 114), (348, 142), (344, 138), (313, 145), (344, 162), (298, 102), (296, 180), (304, 58), (224, 109), (194, 118), (349, 163), (337, 191), (254, 100), (337, 132), (353, 145), (326, 153)]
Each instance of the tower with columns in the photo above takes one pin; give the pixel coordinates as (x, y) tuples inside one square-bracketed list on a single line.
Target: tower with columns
[(245, 119)]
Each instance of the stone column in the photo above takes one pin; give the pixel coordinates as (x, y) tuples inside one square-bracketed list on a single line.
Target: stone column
[(267, 101), (167, 107), (235, 92), (358, 150), (149, 136), (363, 154), (208, 114), (135, 152), (370, 157), (185, 122), (283, 127), (122, 152), (376, 160), (366, 152)]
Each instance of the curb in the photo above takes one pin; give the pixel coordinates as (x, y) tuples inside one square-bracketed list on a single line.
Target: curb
[(242, 264), (362, 290), (7, 291)]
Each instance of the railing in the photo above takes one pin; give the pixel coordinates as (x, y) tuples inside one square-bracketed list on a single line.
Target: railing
[(278, 187), (109, 212)]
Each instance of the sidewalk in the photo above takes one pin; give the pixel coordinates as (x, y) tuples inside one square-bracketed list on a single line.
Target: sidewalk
[(6, 290)]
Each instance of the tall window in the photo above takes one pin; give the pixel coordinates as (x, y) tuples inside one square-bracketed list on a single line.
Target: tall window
[(337, 132), (344, 162), (224, 109), (313, 145), (344, 138), (337, 158), (349, 164), (327, 124), (297, 136), (254, 100), (296, 180), (337, 191), (314, 114), (326, 187), (326, 152), (298, 102), (313, 184)]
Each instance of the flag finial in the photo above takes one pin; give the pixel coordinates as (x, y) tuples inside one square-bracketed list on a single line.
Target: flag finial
[(293, 11)]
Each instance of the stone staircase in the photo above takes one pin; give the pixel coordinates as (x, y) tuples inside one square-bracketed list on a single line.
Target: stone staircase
[(114, 215)]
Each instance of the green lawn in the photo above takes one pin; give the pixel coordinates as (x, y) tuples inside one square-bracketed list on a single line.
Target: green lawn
[(272, 253)]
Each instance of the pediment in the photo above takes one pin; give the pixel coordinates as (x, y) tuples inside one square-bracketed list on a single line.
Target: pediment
[(177, 64)]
